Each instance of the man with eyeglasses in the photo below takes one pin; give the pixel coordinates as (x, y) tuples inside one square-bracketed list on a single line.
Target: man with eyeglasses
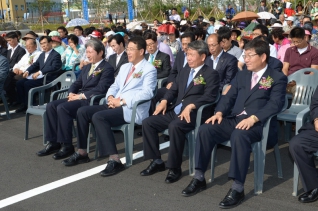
[(301, 55), (224, 63), (256, 93)]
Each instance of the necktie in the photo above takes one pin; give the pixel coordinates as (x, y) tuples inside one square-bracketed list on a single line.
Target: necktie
[(177, 109), (91, 70), (151, 58), (254, 80), (130, 73)]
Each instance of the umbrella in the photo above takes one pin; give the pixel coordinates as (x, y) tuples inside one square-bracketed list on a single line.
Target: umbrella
[(251, 26), (265, 15), (77, 22), (245, 16), (132, 25)]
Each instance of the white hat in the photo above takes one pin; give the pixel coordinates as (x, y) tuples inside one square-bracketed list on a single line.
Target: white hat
[(288, 5), (183, 22), (217, 27), (290, 18), (206, 21), (277, 25), (109, 33), (138, 28)]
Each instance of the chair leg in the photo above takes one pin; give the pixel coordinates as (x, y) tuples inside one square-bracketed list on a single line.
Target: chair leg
[(4, 100), (27, 116), (44, 127), (296, 180), (89, 137), (259, 164), (213, 160), (288, 129), (278, 161), (129, 143)]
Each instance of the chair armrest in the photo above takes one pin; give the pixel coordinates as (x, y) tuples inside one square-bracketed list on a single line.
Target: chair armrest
[(48, 74), (301, 118), (56, 93), (134, 109), (41, 91), (161, 82), (102, 101), (74, 66), (96, 98)]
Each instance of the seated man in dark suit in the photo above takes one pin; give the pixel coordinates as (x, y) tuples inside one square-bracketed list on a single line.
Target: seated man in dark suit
[(136, 81), (180, 62), (254, 96), (117, 43), (14, 55), (94, 79), (224, 63), (197, 84), (4, 69), (160, 60), (48, 61), (302, 148)]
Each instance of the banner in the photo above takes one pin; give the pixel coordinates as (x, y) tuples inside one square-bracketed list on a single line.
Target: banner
[(130, 10), (85, 10)]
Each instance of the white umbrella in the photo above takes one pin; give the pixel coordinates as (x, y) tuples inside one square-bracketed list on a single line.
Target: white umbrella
[(77, 22), (265, 15), (131, 26)]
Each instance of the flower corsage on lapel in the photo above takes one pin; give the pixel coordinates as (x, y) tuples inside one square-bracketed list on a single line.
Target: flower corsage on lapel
[(157, 63), (31, 60), (137, 75), (199, 80), (97, 72), (266, 83)]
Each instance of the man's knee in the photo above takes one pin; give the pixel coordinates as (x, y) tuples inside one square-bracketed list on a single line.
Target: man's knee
[(294, 145)]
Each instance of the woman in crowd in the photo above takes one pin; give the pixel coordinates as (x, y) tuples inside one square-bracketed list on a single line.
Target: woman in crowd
[(278, 38), (173, 43)]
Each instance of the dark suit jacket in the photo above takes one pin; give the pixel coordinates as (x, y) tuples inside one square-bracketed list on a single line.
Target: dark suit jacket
[(52, 63), (4, 52), (16, 57), (226, 67), (164, 70), (112, 62), (259, 102), (94, 85), (4, 69), (177, 67), (197, 94), (313, 113)]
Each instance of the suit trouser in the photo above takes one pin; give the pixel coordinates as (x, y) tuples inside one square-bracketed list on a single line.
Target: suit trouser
[(302, 148), (60, 116), (160, 94), (241, 140), (155, 124), (24, 86), (103, 119), (9, 87)]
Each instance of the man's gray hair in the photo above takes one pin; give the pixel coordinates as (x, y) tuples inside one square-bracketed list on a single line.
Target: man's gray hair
[(200, 46), (96, 45)]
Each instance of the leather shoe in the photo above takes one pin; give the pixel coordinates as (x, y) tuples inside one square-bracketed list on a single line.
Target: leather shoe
[(21, 109), (153, 168), (194, 187), (232, 199), (65, 151), (309, 196), (50, 148), (75, 159), (113, 167), (173, 175)]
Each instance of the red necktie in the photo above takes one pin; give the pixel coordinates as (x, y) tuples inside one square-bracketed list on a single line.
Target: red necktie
[(130, 73)]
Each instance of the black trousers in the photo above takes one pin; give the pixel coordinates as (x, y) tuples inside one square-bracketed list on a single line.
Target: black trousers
[(9, 87), (24, 86), (60, 115), (241, 140), (154, 124), (103, 119), (302, 148)]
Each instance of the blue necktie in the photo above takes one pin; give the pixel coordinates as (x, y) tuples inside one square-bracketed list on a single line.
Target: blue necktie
[(177, 109), (151, 58)]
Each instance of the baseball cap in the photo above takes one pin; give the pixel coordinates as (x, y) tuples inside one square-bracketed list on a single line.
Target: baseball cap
[(96, 34)]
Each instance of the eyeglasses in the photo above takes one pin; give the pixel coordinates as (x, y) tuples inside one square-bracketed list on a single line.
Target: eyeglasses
[(249, 56), (256, 34), (296, 42), (151, 44), (213, 45), (131, 49)]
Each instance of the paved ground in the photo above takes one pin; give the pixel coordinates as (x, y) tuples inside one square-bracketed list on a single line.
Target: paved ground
[(22, 170)]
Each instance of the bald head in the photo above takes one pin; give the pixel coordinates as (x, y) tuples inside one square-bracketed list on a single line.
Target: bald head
[(30, 45), (213, 42)]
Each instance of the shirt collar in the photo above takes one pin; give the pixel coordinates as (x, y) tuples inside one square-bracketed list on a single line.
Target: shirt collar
[(218, 57), (47, 53), (260, 72), (196, 70), (97, 63), (154, 54), (119, 55)]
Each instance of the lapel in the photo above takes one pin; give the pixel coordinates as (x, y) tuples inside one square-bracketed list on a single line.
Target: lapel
[(147, 56), (91, 76), (138, 69), (121, 60), (220, 62), (248, 79), (192, 84), (14, 53), (9, 54), (48, 58)]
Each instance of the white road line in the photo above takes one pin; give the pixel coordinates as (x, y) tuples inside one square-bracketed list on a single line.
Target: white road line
[(59, 183)]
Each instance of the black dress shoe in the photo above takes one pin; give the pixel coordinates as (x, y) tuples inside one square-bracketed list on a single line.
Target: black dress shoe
[(309, 196), (50, 148), (166, 138), (75, 159), (153, 168), (113, 167), (173, 175), (194, 187), (13, 104), (232, 199), (65, 151), (21, 109)]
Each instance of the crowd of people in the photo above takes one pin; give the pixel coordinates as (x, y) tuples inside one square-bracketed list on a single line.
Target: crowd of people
[(200, 60)]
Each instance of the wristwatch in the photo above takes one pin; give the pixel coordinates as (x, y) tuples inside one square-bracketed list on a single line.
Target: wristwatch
[(121, 102)]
